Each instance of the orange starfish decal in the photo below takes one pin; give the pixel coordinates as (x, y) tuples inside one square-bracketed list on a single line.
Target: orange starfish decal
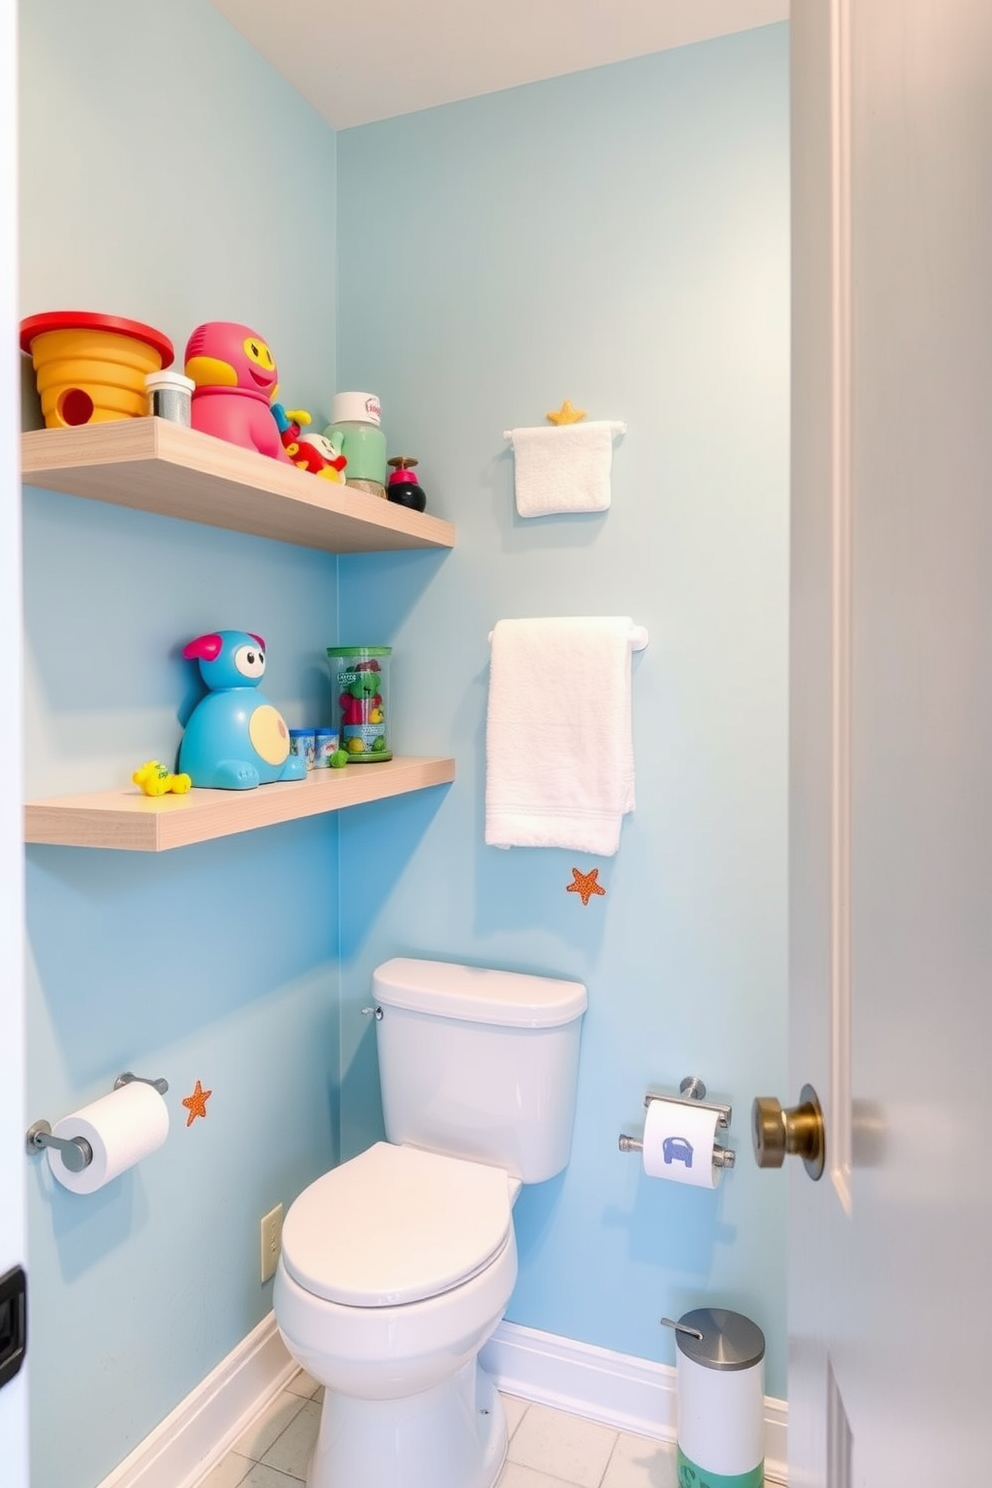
[(196, 1104), (566, 414), (585, 884)]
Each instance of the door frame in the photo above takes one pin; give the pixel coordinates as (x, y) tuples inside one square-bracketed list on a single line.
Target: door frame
[(13, 1397)]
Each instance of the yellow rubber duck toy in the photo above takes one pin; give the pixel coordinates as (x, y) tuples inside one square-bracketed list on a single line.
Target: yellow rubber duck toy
[(156, 780)]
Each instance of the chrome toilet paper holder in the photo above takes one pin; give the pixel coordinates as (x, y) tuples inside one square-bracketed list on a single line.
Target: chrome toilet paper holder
[(77, 1153), (692, 1092)]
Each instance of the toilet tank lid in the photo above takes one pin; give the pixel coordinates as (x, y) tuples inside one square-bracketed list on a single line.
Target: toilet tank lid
[(479, 994)]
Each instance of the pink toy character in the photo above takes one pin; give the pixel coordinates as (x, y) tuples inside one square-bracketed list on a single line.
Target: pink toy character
[(236, 379)]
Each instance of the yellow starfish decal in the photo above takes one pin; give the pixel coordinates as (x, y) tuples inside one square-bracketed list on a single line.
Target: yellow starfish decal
[(585, 884), (196, 1104), (566, 414)]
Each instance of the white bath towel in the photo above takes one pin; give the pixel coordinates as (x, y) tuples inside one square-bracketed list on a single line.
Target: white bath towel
[(565, 468), (559, 757)]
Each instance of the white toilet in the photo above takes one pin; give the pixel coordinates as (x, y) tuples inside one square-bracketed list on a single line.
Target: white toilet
[(397, 1266)]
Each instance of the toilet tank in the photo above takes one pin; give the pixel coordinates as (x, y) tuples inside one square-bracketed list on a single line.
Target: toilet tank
[(479, 1063)]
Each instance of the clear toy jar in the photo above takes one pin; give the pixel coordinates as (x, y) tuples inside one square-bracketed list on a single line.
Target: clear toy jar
[(360, 701)]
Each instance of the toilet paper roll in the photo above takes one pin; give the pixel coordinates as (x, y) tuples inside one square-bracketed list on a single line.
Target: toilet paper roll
[(678, 1143), (122, 1128)]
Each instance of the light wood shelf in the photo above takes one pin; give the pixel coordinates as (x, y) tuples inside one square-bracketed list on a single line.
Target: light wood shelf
[(153, 465), (129, 820)]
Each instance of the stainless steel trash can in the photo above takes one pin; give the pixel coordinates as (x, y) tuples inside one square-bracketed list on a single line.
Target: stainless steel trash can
[(721, 1400)]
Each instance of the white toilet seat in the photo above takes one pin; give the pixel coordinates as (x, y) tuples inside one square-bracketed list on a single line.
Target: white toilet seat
[(396, 1225)]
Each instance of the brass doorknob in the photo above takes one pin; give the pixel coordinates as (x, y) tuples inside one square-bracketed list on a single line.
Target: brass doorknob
[(800, 1130)]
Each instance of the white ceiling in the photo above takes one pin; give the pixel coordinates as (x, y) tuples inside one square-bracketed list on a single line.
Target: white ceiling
[(360, 60)]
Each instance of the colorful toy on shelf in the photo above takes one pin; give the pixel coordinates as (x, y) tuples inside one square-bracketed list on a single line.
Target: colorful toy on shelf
[(91, 369), (321, 456), (309, 451), (236, 381), (363, 720), (156, 780), (235, 738)]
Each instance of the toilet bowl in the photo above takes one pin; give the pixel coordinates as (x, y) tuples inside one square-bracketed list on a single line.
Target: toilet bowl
[(397, 1266), (395, 1270)]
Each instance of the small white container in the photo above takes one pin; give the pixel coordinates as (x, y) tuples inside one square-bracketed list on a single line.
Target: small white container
[(170, 396), (721, 1398)]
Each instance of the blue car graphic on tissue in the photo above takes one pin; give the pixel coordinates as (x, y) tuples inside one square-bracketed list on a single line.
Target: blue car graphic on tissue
[(677, 1149)]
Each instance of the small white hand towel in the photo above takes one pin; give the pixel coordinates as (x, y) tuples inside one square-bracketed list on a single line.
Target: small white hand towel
[(559, 756), (565, 468)]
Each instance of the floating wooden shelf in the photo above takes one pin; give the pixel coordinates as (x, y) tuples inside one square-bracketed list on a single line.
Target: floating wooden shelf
[(156, 466), (129, 820)]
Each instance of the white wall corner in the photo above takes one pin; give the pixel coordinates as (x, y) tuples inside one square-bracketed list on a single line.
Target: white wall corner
[(633, 1395), (184, 1446)]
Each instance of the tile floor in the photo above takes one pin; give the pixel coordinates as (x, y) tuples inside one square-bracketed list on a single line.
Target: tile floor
[(548, 1449)]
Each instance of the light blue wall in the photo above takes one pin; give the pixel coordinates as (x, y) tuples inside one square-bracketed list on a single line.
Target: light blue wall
[(619, 238), (161, 160)]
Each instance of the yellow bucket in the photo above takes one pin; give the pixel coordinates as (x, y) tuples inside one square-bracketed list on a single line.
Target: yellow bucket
[(91, 369)]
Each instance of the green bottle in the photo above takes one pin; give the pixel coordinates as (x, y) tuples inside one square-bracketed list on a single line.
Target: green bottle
[(354, 428)]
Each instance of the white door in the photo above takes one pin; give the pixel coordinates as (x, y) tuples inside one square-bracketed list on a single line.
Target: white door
[(890, 1293), (13, 1396)]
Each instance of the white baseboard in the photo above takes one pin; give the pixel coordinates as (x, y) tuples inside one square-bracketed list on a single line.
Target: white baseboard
[(200, 1430), (629, 1394), (635, 1395)]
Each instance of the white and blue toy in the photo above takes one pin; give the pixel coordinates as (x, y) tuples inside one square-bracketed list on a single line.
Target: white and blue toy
[(235, 739)]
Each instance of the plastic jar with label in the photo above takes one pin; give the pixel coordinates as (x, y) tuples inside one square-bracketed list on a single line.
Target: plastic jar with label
[(355, 428), (360, 701)]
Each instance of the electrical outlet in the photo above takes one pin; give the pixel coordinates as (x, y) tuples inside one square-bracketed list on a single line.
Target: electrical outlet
[(271, 1239)]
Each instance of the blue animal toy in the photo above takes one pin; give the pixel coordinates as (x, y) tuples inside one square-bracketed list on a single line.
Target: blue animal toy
[(235, 739)]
